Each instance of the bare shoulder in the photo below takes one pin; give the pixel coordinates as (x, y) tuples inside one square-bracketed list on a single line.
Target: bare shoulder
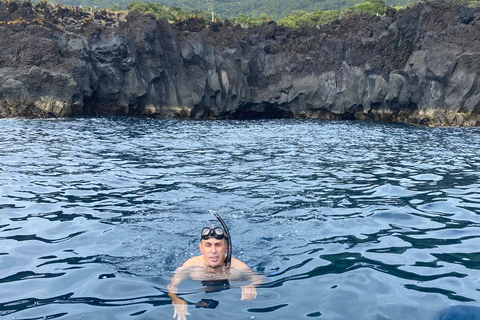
[(193, 262), (239, 265)]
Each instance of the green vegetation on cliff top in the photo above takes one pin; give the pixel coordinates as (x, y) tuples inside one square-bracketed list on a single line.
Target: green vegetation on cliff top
[(292, 13), (293, 19), (274, 9)]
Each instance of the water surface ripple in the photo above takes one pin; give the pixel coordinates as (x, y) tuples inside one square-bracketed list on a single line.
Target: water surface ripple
[(344, 220)]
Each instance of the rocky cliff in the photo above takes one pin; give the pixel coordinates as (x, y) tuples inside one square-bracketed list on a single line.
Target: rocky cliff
[(419, 65)]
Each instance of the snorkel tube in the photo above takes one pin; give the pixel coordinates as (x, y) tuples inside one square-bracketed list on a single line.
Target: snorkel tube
[(228, 260)]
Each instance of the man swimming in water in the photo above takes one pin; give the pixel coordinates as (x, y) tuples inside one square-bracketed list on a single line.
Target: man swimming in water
[(211, 265)]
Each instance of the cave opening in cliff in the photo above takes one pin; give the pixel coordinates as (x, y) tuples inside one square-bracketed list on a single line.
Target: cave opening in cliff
[(93, 106), (348, 116), (89, 106), (261, 111)]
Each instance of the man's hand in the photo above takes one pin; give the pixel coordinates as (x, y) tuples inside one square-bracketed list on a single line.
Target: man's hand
[(180, 311), (180, 306), (249, 293)]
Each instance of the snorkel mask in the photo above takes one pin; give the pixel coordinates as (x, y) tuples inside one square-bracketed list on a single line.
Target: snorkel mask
[(213, 232)]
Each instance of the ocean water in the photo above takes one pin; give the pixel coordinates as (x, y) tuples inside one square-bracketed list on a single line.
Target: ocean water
[(343, 220)]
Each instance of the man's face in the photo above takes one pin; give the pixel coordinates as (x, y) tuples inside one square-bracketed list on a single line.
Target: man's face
[(213, 251)]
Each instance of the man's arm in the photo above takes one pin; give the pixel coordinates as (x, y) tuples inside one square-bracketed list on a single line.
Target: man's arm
[(248, 292), (180, 306)]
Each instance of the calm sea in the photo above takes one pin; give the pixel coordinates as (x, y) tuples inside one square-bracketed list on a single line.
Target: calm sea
[(343, 220)]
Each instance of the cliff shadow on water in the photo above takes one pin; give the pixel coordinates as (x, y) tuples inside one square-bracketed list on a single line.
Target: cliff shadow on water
[(418, 65)]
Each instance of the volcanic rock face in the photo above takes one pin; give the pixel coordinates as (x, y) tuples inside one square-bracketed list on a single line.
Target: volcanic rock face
[(419, 65)]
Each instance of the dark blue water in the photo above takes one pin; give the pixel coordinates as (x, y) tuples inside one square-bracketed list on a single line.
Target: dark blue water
[(344, 220)]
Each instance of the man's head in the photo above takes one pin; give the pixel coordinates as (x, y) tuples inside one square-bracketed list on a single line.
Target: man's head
[(213, 245)]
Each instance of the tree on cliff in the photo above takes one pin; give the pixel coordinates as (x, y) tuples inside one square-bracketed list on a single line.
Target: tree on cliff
[(298, 18), (370, 6)]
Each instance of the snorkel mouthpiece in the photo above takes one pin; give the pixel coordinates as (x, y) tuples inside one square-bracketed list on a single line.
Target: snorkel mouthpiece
[(228, 259)]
